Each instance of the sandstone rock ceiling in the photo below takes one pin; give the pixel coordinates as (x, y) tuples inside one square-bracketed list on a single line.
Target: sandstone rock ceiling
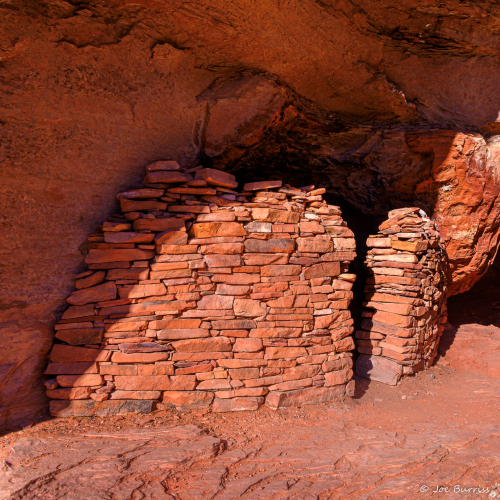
[(386, 103)]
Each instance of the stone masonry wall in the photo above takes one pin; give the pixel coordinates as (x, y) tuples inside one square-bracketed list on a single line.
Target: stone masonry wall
[(197, 296), (405, 308)]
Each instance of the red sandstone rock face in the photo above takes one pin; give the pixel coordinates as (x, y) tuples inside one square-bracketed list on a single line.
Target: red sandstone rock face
[(91, 93)]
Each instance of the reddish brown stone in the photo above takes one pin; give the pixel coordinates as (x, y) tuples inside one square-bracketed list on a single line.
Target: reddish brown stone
[(214, 385), (249, 308), (222, 260), (242, 392), (110, 369), (171, 238), (311, 395), (106, 291), (269, 246), (136, 206), (338, 377), (187, 400), (153, 395), (410, 246), (393, 319), (170, 274), (87, 380), (182, 334), (80, 336), (220, 216), (300, 372), (127, 237), (174, 323), (89, 408), (92, 280), (69, 393), (272, 215), (256, 186), (170, 165), (216, 178), (159, 224), (311, 227), (193, 209), (139, 291), (292, 385), (236, 404), (285, 352), (158, 368), (215, 344), (78, 311), (265, 259), (223, 248), (314, 245), (216, 229), (215, 302), (177, 249), (247, 345), (167, 177), (279, 270), (156, 383), (137, 194), (149, 357), (116, 226), (236, 279), (324, 269), (70, 354), (244, 373), (128, 274), (71, 368), (118, 255)]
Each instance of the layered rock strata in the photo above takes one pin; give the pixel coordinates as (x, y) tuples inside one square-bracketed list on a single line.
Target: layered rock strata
[(197, 296), (405, 308)]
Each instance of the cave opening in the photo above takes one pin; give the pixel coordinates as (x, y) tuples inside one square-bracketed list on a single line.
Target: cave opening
[(481, 304), (471, 340)]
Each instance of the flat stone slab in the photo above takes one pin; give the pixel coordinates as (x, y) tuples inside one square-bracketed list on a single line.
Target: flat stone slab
[(379, 369)]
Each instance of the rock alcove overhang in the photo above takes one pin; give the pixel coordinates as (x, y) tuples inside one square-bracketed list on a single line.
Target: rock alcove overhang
[(120, 85)]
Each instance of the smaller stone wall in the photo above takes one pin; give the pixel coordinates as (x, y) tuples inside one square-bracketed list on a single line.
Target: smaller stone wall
[(198, 296), (405, 308)]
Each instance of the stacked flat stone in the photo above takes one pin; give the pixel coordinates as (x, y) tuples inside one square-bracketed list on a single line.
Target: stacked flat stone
[(198, 296), (405, 308)]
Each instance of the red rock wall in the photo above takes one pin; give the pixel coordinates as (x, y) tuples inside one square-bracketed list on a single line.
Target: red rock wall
[(405, 308), (92, 91), (197, 296)]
